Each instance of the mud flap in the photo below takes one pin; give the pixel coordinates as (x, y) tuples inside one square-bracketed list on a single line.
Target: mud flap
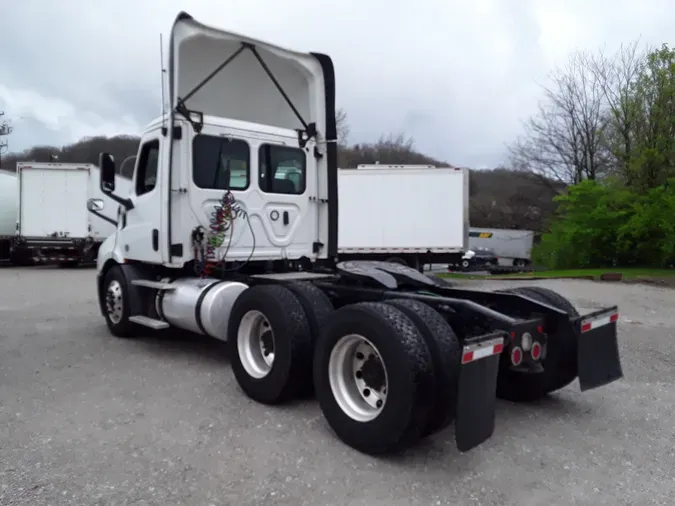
[(598, 349), (477, 390)]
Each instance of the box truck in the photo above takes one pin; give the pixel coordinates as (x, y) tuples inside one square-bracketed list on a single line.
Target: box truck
[(408, 214), (58, 211)]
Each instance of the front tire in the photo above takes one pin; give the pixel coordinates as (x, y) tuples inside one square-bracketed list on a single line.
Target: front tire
[(374, 377), (116, 304)]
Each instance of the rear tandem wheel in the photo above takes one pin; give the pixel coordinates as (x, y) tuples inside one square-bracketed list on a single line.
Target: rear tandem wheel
[(559, 362), (374, 377), (270, 344)]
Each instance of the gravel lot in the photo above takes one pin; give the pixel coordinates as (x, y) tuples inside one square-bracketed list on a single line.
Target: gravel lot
[(88, 419)]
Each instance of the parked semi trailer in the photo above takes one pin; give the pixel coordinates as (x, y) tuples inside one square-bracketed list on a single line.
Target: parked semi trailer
[(408, 214), (512, 247), (52, 222), (211, 241)]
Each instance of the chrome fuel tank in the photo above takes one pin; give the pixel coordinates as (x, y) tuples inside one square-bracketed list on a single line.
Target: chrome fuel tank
[(200, 305)]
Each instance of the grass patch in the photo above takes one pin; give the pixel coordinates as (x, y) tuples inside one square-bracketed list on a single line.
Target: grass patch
[(628, 274)]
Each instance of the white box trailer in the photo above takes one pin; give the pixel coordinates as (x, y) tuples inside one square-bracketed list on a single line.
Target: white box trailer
[(409, 214), (7, 212), (52, 219), (512, 247)]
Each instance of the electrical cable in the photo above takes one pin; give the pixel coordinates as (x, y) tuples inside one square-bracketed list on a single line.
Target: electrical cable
[(221, 227)]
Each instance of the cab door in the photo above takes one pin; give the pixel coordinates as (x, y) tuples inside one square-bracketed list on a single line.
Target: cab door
[(139, 235), (286, 185)]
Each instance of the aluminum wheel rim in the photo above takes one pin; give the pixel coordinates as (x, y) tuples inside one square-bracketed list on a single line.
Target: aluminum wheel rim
[(255, 342), (115, 302), (359, 397)]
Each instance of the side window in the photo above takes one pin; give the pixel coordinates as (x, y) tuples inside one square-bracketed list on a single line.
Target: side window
[(282, 169), (147, 167), (219, 163)]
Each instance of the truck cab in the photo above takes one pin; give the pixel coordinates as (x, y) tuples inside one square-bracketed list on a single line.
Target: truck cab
[(242, 169)]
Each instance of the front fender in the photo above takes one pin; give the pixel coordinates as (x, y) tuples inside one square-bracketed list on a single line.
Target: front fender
[(109, 254), (109, 250)]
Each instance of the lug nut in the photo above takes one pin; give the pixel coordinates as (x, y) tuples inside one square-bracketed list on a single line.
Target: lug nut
[(366, 392), (359, 374), (379, 403), (359, 355)]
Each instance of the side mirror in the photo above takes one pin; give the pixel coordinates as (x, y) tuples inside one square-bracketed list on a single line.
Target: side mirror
[(95, 204), (106, 163)]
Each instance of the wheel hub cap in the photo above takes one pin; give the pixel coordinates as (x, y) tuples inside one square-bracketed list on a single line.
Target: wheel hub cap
[(358, 378), (114, 301)]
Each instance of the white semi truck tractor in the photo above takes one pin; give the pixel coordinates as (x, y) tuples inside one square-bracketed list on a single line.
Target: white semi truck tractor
[(217, 238)]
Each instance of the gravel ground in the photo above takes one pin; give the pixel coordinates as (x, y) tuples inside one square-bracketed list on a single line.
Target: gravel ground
[(88, 419)]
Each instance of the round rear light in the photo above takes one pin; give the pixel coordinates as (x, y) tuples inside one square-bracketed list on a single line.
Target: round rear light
[(516, 356), (536, 351)]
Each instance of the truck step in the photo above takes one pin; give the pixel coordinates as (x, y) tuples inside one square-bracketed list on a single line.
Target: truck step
[(157, 285), (293, 275), (146, 321)]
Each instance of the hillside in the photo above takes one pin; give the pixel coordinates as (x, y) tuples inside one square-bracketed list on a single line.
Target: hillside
[(498, 198)]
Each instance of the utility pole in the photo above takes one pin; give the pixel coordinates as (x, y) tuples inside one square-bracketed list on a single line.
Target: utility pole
[(5, 130)]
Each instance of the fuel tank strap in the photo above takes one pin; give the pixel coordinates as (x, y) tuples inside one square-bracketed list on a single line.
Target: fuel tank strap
[(198, 306)]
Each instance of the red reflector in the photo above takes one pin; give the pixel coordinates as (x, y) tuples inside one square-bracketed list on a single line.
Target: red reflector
[(599, 321), (471, 353), (540, 329), (516, 356), (513, 335), (536, 351)]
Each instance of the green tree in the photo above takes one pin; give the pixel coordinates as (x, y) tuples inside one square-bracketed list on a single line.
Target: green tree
[(654, 132)]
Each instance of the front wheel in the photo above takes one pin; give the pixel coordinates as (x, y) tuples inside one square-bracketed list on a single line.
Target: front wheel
[(374, 377), (116, 304)]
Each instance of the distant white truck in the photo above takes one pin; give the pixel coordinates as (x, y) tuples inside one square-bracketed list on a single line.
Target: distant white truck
[(511, 247), (408, 214), (57, 212)]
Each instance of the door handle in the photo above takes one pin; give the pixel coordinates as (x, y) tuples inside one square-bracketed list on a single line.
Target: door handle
[(286, 218)]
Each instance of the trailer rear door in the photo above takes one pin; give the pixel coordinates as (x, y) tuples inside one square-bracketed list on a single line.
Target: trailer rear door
[(53, 201)]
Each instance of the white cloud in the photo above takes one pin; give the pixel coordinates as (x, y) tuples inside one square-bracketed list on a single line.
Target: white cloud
[(58, 115), (457, 75)]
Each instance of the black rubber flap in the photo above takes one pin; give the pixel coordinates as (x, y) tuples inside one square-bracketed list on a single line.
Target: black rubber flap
[(477, 395), (598, 349)]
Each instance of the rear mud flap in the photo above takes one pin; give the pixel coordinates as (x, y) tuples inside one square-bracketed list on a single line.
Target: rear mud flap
[(477, 390), (598, 349)]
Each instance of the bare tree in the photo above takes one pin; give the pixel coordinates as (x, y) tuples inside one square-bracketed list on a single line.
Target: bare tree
[(342, 127), (618, 76), (5, 130), (563, 141)]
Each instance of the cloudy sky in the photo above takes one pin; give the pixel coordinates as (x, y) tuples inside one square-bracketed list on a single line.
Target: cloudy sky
[(457, 75)]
